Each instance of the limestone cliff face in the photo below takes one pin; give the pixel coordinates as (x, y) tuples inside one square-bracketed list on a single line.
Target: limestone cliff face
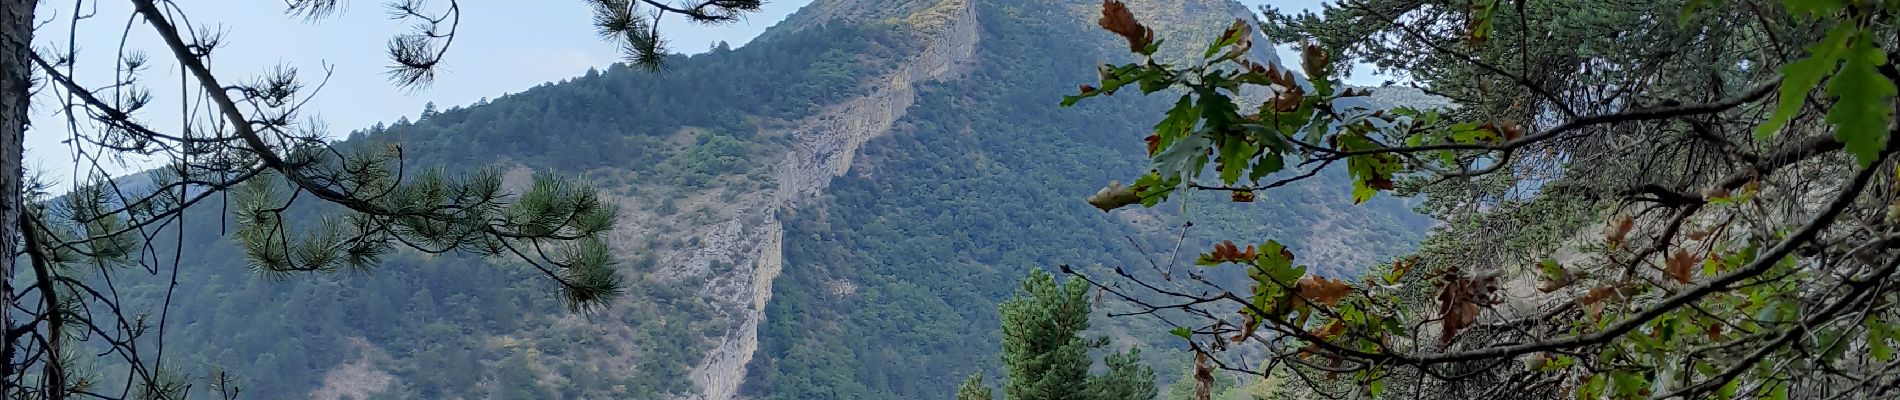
[(823, 146)]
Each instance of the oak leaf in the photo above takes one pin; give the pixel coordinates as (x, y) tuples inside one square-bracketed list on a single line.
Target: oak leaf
[(1116, 18), (1320, 290), (1247, 325), (1327, 332), (1114, 196), (1593, 300), (1680, 265), (1619, 231), (1460, 300)]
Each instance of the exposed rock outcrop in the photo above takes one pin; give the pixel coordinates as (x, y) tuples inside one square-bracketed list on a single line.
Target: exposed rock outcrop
[(823, 147)]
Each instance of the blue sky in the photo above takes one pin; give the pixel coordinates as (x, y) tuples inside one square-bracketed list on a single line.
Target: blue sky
[(503, 47)]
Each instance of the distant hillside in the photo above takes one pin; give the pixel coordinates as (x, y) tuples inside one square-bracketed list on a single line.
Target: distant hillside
[(830, 212)]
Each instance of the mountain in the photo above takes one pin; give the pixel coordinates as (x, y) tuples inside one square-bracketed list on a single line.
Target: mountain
[(831, 211)]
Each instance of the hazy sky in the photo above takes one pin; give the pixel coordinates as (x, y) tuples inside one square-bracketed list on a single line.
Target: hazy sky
[(503, 47)]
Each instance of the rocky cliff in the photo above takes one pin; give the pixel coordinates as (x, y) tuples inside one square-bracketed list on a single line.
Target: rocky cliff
[(823, 147)]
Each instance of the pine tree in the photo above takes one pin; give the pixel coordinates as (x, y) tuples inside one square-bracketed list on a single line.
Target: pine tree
[(1127, 378), (1045, 356), (973, 389)]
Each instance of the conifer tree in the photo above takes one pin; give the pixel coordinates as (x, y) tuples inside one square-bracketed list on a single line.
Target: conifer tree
[(973, 389), (1045, 356)]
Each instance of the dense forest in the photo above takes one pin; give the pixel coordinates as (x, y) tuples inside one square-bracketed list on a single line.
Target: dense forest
[(973, 160), (976, 199)]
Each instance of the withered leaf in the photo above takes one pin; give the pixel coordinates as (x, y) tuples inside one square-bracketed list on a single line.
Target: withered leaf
[(1243, 196), (1619, 230), (1114, 196), (1460, 301), (1203, 377), (1329, 331), (1512, 131), (1116, 18), (1699, 234), (1320, 290), (1596, 295), (1379, 182), (1680, 266), (1226, 251), (1247, 325), (1315, 60)]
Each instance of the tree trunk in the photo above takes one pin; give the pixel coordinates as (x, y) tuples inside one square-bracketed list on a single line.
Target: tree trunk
[(16, 46)]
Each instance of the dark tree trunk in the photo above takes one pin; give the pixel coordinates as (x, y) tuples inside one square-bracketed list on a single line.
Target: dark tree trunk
[(16, 45)]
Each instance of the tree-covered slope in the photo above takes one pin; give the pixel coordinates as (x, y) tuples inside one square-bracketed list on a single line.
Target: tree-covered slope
[(959, 174), (891, 282), (448, 326)]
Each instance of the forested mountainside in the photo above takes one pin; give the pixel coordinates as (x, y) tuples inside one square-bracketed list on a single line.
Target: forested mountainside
[(832, 211)]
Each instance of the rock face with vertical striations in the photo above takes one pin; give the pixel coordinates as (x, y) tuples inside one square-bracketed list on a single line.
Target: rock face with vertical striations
[(823, 147)]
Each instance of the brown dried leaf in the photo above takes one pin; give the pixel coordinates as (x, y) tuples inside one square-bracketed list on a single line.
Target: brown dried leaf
[(1315, 60), (1596, 295), (1380, 183), (1681, 265), (1247, 325), (1331, 330), (1203, 377), (1619, 230), (1116, 18), (1402, 266), (1242, 196), (1316, 289), (1328, 332), (1114, 196), (1512, 131), (1460, 301)]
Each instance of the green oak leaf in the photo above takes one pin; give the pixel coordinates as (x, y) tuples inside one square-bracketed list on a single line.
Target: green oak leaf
[(1865, 104), (1800, 77)]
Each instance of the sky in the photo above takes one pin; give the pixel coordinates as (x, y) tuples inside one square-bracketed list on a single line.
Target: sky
[(503, 47)]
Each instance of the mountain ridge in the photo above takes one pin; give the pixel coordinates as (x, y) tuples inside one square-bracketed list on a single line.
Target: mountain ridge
[(858, 159)]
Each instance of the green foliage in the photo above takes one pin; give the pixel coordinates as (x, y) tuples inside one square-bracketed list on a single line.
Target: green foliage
[(1687, 307), (1801, 76), (1044, 355), (624, 118), (1865, 107), (1127, 378), (1046, 358), (1254, 142), (435, 316), (973, 389)]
